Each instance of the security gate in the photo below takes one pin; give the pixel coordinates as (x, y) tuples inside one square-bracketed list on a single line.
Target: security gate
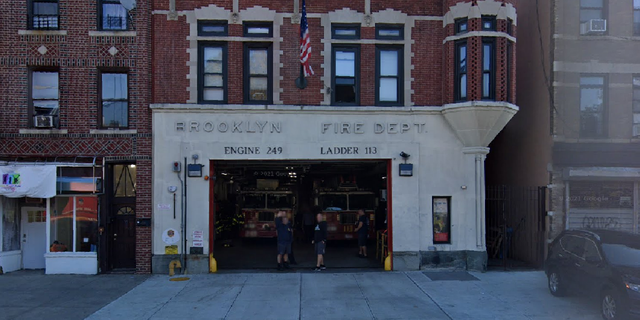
[(515, 222)]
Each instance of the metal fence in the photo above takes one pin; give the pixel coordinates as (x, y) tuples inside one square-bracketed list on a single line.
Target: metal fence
[(515, 224)]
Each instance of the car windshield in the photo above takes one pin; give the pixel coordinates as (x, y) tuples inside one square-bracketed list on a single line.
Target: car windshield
[(333, 202), (622, 255), (279, 201), (253, 201), (361, 201)]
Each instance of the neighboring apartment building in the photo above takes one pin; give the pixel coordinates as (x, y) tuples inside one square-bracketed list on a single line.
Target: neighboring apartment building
[(583, 141), (432, 80), (75, 146), (596, 123)]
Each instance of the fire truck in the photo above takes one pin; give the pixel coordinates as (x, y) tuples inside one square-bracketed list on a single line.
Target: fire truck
[(259, 209), (340, 208)]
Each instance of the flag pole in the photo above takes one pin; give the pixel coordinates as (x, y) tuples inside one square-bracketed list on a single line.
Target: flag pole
[(301, 82)]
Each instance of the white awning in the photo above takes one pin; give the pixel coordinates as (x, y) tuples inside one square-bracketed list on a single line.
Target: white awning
[(34, 181)]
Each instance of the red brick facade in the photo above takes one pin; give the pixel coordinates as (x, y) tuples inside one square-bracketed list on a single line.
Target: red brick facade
[(78, 56), (432, 61)]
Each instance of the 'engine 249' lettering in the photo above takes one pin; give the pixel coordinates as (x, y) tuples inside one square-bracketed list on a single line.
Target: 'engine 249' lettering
[(251, 150), (347, 150)]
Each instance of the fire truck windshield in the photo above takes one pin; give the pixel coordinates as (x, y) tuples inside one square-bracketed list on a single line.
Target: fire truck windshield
[(253, 201), (334, 202), (361, 201), (279, 201)]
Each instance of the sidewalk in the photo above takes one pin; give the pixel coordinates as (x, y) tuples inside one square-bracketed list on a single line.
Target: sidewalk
[(34, 295), (326, 295)]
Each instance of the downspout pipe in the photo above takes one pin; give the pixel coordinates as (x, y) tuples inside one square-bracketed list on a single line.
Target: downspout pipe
[(185, 216)]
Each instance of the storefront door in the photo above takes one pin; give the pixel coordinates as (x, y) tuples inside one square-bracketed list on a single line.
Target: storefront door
[(123, 237), (33, 237), (122, 217)]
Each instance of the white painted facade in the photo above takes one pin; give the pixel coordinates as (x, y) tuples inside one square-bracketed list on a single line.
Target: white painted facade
[(447, 148)]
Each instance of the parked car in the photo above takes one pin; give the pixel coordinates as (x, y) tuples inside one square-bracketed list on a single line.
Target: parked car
[(603, 263)]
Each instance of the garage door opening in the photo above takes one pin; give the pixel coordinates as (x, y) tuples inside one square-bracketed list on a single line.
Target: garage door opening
[(246, 196)]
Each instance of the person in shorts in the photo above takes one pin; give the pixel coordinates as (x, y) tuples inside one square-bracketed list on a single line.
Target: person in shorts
[(363, 232), (285, 237), (320, 241)]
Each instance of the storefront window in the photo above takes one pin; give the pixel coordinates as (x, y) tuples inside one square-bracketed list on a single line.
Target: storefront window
[(85, 226), (62, 225), (10, 225)]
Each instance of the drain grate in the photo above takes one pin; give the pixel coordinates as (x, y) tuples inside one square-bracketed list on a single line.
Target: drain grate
[(450, 276)]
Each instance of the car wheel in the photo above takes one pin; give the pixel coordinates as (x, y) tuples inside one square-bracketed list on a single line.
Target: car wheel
[(612, 306), (556, 284)]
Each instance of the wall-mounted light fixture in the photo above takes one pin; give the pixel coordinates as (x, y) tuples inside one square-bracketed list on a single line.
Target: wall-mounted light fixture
[(406, 169), (194, 170)]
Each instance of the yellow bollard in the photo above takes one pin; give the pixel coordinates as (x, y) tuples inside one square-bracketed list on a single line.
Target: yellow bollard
[(213, 265), (172, 265), (387, 263)]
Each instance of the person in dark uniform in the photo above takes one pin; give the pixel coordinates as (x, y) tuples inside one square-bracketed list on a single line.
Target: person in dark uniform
[(363, 232), (285, 237), (320, 241)]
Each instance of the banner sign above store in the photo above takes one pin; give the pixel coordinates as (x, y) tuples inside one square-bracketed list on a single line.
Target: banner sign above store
[(33, 181)]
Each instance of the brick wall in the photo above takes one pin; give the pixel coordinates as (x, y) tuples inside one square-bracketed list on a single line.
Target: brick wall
[(432, 70), (78, 57)]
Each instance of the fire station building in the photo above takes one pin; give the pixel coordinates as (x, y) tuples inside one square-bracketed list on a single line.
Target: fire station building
[(396, 119)]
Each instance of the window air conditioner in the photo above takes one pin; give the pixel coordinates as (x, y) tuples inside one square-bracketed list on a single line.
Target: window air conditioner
[(594, 26), (43, 121)]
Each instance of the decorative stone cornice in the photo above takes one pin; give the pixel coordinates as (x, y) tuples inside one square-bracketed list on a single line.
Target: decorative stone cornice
[(477, 123)]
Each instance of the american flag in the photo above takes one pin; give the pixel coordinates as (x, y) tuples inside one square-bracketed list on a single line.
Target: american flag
[(305, 42)]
